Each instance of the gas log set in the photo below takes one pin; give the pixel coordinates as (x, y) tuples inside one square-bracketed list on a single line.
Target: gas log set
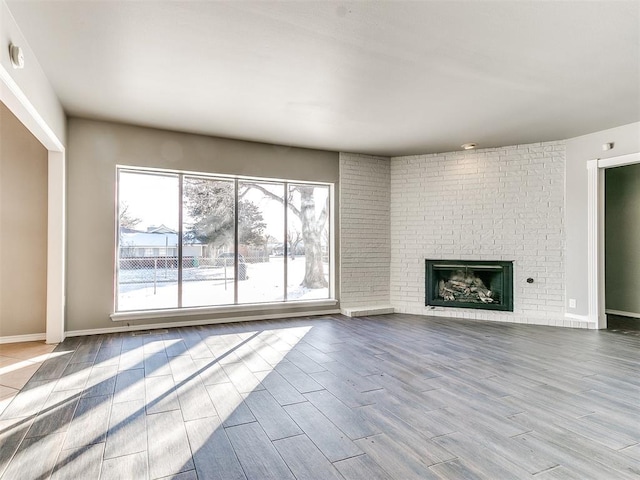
[(465, 287)]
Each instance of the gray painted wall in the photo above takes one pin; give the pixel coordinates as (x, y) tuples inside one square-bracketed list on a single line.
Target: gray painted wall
[(579, 151), (23, 229), (94, 150), (622, 238)]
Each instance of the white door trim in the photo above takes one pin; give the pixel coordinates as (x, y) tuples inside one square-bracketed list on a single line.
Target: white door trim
[(18, 103), (595, 233)]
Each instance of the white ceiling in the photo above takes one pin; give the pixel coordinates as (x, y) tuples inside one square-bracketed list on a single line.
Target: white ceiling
[(376, 77)]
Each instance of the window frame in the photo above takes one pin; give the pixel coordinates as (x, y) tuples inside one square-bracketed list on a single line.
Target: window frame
[(236, 305)]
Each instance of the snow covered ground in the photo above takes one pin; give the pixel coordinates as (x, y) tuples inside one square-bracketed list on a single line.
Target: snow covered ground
[(206, 286)]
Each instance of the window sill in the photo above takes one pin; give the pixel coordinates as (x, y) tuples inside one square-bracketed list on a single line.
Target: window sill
[(197, 311)]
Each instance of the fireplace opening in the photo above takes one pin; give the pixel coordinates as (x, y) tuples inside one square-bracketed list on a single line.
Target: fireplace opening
[(485, 285)]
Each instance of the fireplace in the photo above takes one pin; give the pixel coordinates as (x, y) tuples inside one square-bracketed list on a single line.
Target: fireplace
[(485, 285)]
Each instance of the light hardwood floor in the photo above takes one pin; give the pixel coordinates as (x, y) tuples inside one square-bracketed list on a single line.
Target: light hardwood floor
[(386, 397)]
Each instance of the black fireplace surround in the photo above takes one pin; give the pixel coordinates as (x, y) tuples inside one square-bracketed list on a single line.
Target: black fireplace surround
[(486, 285)]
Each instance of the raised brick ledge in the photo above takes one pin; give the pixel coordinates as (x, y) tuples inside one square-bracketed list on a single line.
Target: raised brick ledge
[(366, 311)]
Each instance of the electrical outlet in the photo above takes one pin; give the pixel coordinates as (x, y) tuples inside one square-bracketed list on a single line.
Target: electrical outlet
[(572, 303)]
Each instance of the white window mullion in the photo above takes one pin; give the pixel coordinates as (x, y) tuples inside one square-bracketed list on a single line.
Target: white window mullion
[(285, 249), (180, 237), (236, 242)]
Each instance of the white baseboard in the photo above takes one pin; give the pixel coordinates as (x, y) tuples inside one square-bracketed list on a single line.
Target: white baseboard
[(622, 314), (580, 318), (191, 323), (543, 319), (32, 337), (366, 311)]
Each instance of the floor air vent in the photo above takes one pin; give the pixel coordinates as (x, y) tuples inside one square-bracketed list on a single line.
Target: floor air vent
[(149, 332)]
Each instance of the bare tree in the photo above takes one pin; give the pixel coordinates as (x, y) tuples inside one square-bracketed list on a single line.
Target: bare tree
[(313, 225), (294, 237), (126, 219)]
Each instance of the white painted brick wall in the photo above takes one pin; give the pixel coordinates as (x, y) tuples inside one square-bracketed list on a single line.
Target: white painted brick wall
[(492, 204), (365, 236)]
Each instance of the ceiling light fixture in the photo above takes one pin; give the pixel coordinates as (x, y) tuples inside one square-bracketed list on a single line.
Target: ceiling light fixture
[(468, 146)]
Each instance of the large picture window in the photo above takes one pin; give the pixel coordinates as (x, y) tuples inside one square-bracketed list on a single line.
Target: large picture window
[(195, 240)]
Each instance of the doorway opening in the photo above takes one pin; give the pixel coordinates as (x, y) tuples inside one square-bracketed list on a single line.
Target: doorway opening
[(596, 234), (622, 247)]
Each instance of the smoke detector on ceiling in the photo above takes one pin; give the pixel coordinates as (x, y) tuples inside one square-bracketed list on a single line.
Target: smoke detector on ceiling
[(16, 56), (468, 146)]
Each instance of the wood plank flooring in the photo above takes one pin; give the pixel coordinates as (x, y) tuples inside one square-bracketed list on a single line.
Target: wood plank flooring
[(387, 397)]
